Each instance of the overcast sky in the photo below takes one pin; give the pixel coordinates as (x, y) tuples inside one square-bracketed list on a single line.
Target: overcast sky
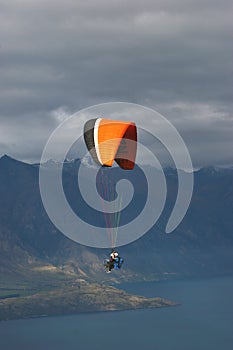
[(176, 56)]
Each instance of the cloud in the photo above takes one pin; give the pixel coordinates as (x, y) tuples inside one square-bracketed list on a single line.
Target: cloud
[(58, 57)]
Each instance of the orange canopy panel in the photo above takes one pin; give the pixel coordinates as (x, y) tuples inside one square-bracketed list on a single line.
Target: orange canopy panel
[(109, 140)]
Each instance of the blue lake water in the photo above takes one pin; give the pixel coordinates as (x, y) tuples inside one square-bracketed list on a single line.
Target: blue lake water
[(204, 321)]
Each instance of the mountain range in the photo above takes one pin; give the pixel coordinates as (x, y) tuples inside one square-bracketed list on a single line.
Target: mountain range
[(200, 246)]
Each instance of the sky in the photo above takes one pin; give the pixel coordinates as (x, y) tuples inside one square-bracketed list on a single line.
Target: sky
[(175, 56)]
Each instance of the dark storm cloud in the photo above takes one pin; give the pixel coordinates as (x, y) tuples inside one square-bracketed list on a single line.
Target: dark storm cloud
[(61, 56)]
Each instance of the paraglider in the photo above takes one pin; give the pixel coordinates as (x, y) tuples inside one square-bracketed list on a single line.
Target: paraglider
[(108, 141)]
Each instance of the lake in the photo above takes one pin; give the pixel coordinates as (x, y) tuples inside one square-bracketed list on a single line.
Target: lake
[(204, 321)]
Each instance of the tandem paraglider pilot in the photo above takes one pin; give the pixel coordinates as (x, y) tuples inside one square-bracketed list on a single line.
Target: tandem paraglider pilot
[(115, 261)]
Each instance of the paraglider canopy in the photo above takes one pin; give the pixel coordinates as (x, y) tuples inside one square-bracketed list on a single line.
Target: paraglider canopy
[(109, 140)]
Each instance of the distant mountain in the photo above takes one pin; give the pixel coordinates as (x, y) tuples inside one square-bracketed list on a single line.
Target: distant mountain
[(201, 245)]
